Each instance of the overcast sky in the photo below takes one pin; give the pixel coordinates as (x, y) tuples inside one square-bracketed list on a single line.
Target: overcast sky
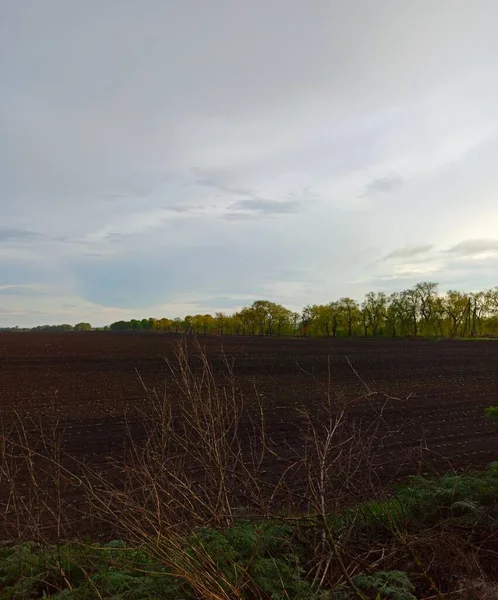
[(160, 158)]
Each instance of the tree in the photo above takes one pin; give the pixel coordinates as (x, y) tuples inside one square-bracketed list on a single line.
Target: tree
[(295, 320), (189, 324), (163, 324), (373, 309), (264, 316), (82, 327), (268, 318), (456, 305), (431, 306), (237, 324), (412, 301), (247, 319), (208, 324), (325, 318), (397, 312), (282, 318), (221, 322), (479, 306), (351, 312), (306, 319)]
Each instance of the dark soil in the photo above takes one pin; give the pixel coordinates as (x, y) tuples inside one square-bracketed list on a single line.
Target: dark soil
[(435, 391)]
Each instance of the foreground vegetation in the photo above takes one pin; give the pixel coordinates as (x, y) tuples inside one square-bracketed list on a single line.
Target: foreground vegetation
[(431, 537)]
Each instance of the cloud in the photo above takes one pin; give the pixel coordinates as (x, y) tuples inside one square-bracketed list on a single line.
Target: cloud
[(22, 290), (212, 178), (227, 302), (251, 203), (151, 276), (474, 248), (410, 251), (382, 186), (11, 234), (262, 206)]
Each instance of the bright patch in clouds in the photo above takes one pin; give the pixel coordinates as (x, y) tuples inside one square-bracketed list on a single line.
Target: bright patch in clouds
[(189, 157)]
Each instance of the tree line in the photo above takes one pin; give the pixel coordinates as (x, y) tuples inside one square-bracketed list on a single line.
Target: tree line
[(61, 327), (418, 311)]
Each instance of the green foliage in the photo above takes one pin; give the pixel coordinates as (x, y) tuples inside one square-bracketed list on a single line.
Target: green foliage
[(257, 558), (383, 585), (75, 571), (425, 501), (48, 328), (374, 519), (491, 413), (451, 496)]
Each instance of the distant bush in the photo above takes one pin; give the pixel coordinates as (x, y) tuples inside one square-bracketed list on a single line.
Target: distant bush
[(492, 413)]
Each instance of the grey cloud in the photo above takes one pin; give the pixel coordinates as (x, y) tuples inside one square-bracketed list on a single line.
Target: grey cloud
[(21, 291), (268, 207), (226, 302), (115, 196), (147, 276), (115, 236), (473, 247), (184, 208), (11, 234), (5, 310), (22, 272), (251, 203), (240, 216), (410, 251), (218, 180), (382, 186)]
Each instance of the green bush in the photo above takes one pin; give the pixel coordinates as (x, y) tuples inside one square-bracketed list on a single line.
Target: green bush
[(256, 558), (451, 496), (385, 585), (259, 558), (421, 501), (492, 413), (75, 571)]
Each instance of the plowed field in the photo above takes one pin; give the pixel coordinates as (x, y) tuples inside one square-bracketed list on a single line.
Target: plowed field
[(436, 390)]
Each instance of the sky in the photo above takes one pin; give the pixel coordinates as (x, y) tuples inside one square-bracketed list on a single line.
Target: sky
[(163, 158)]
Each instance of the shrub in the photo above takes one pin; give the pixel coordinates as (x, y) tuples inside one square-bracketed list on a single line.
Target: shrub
[(259, 558), (76, 571), (492, 413), (385, 585)]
